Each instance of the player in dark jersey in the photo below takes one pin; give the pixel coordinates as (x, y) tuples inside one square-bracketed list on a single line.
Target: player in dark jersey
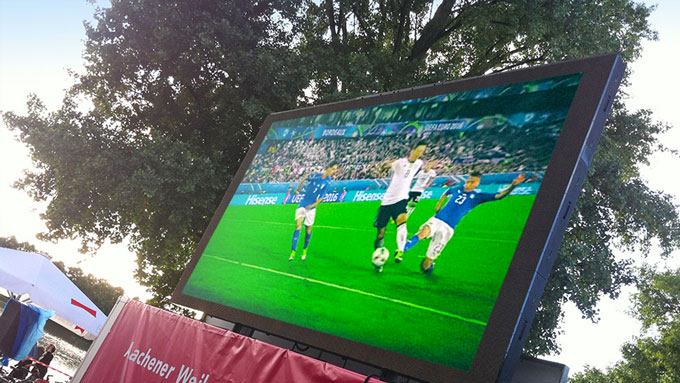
[(306, 211), (440, 227)]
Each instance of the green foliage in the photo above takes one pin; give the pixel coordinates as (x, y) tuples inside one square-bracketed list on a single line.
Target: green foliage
[(102, 293), (655, 356), (657, 302), (361, 47), (150, 135), (12, 243)]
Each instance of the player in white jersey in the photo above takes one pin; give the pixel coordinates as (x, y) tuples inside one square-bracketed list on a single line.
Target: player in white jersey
[(424, 180), (393, 205)]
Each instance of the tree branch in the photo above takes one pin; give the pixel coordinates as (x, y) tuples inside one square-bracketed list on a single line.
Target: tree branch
[(518, 64), (440, 26), (343, 23), (330, 12), (403, 12), (362, 23), (335, 41), (432, 30), (383, 16)]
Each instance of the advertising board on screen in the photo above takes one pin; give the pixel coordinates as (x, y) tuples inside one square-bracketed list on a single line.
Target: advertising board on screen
[(390, 225)]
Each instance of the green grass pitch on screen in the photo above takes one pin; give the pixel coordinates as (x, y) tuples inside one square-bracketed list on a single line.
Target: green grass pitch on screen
[(440, 318)]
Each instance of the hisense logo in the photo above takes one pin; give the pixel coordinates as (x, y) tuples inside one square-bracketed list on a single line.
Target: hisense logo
[(333, 132), (254, 199), (363, 196)]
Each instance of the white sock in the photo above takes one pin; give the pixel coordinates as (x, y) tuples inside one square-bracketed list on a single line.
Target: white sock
[(402, 234)]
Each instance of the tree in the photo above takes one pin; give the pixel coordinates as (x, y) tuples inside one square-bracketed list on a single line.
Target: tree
[(653, 357), (178, 89), (13, 243), (101, 292)]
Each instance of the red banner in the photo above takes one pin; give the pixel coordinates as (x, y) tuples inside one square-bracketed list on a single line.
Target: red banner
[(147, 344)]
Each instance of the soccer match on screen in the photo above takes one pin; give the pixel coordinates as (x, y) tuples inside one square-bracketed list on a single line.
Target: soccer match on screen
[(392, 225)]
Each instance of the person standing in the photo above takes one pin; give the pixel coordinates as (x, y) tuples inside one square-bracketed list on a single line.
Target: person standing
[(40, 369)]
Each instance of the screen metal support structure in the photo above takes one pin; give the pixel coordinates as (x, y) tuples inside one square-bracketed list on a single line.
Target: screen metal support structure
[(506, 331), (243, 330), (566, 208), (529, 369)]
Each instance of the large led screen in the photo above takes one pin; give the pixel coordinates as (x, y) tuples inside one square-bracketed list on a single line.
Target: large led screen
[(441, 186)]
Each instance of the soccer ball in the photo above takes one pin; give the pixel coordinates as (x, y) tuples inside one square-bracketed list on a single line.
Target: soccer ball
[(380, 256)]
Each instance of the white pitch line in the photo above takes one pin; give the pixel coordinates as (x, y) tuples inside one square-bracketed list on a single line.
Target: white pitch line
[(409, 304), (292, 224)]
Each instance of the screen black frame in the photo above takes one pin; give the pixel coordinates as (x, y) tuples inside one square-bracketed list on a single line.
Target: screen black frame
[(532, 261)]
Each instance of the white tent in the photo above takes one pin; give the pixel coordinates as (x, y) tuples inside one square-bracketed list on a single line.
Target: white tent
[(46, 286)]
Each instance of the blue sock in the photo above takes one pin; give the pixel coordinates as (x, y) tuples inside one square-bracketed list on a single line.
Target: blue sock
[(411, 242), (307, 237), (296, 236)]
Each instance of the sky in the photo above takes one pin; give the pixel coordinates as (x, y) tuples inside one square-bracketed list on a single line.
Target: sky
[(41, 40)]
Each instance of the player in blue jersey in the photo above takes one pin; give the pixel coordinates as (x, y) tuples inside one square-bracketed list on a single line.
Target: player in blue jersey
[(440, 227), (306, 211)]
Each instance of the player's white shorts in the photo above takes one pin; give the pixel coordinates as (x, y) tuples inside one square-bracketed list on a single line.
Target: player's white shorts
[(441, 233), (308, 214)]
